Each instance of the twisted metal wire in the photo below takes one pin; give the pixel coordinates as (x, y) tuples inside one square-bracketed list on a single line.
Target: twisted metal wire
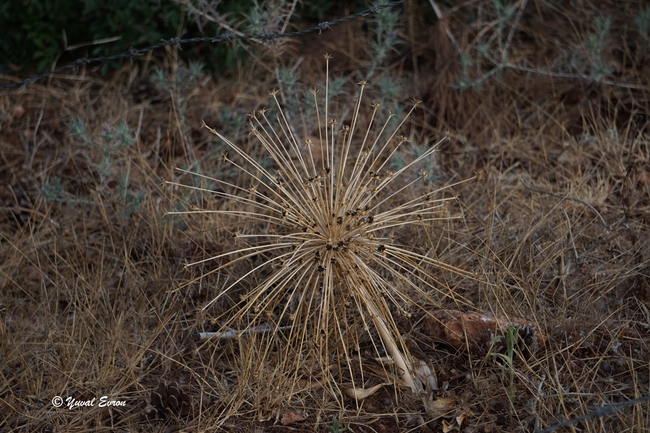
[(609, 409), (135, 52)]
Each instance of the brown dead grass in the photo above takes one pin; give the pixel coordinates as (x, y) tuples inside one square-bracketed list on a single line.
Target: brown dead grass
[(90, 303)]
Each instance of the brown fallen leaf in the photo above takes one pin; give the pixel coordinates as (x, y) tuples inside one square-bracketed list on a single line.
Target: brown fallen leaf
[(8, 402), (292, 417), (475, 331), (447, 427), (440, 407)]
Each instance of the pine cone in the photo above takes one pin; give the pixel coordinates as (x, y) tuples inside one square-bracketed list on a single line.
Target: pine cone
[(170, 399)]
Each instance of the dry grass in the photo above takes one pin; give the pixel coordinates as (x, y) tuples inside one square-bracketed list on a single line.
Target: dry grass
[(96, 298)]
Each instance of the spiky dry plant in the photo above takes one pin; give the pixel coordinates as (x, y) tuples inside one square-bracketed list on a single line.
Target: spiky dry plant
[(321, 220)]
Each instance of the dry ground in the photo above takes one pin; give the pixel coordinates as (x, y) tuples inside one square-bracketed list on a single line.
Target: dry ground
[(95, 299)]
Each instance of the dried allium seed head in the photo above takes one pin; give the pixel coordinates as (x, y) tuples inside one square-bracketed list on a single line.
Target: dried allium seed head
[(317, 230)]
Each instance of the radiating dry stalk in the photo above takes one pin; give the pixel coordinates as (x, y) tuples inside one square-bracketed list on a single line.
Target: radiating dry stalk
[(323, 233)]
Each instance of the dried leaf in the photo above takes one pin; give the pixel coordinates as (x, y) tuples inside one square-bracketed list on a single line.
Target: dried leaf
[(292, 417), (361, 393), (446, 427), (440, 407), (475, 331), (425, 373)]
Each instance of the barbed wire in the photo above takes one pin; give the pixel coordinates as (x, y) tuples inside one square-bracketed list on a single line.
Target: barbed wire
[(133, 52), (608, 409)]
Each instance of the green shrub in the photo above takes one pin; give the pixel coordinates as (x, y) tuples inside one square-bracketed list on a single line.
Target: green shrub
[(36, 32)]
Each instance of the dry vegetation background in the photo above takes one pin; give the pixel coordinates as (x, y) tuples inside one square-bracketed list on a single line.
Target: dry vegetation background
[(547, 101)]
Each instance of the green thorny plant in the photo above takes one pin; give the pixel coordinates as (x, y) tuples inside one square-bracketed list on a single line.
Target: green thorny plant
[(591, 63), (335, 427), (329, 262), (181, 85), (110, 147)]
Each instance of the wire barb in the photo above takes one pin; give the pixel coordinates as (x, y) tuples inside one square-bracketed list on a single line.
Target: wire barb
[(324, 25), (172, 41)]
